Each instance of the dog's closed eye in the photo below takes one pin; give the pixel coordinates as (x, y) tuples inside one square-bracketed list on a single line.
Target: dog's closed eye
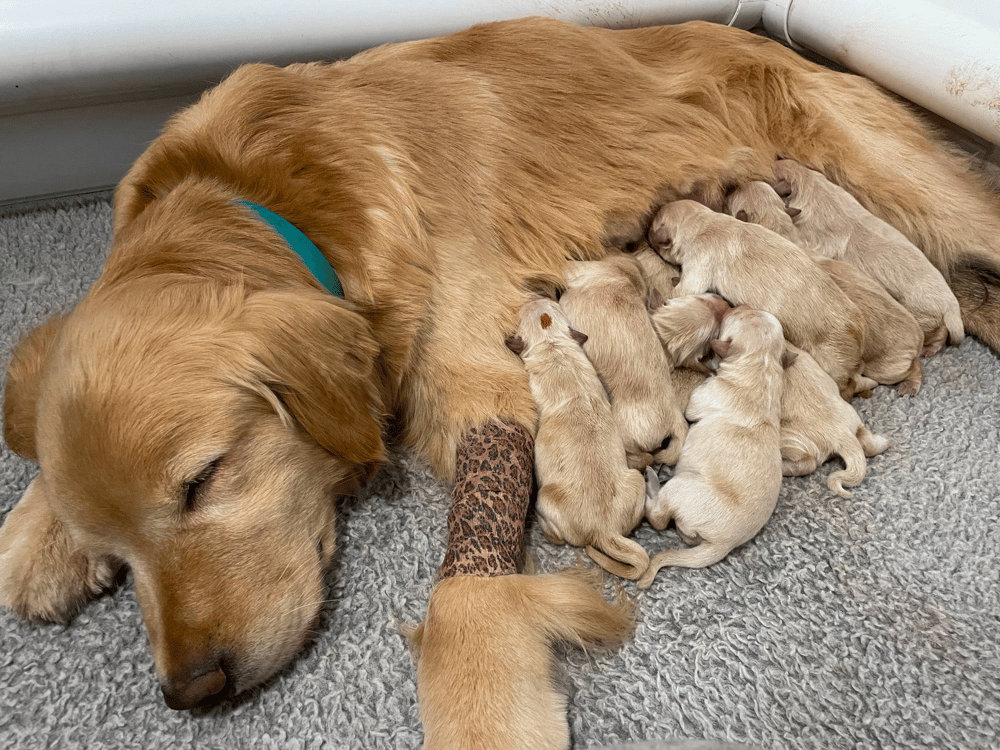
[(193, 489)]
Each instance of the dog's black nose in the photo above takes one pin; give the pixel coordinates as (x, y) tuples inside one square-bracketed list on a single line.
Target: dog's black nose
[(187, 691)]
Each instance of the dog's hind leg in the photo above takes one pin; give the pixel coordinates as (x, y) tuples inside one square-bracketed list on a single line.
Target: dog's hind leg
[(899, 169)]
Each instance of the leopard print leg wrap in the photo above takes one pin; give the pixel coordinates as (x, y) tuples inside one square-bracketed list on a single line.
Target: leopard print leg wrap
[(493, 476)]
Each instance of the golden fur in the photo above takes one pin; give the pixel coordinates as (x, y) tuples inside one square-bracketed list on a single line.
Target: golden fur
[(436, 176), (758, 203), (748, 264), (817, 424), (726, 484), (606, 300), (833, 223), (587, 494), (686, 326)]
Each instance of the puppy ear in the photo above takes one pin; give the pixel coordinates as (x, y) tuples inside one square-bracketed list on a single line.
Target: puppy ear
[(742, 215), (655, 298), (578, 336), (783, 188), (675, 280), (548, 287), (788, 359), (793, 212), (515, 343), (24, 374), (318, 355), (722, 348)]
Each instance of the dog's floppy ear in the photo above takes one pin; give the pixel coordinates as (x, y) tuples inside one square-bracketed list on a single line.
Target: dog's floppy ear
[(24, 374), (515, 343), (721, 348), (578, 336), (655, 298), (318, 356), (742, 215), (788, 359), (792, 212), (783, 188)]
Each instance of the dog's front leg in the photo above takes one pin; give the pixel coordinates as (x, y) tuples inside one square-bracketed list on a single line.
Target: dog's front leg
[(485, 665), (43, 576)]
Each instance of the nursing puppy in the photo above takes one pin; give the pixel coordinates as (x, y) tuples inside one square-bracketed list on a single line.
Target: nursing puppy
[(833, 223), (607, 300), (686, 327), (748, 264), (758, 203), (727, 481), (893, 339), (817, 424), (587, 495), (662, 276)]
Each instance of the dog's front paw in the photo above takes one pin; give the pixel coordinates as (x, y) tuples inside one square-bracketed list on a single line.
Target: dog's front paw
[(42, 575)]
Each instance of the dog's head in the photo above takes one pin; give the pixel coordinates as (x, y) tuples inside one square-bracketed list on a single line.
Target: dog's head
[(758, 202), (542, 321), (201, 434), (673, 225), (686, 325), (746, 330)]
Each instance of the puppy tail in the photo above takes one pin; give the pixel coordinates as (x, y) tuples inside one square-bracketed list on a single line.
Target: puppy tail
[(701, 556), (619, 555), (853, 453), (953, 322)]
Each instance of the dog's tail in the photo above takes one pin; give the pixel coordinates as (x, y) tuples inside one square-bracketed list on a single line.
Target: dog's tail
[(619, 555), (854, 452), (953, 322), (700, 556), (485, 667)]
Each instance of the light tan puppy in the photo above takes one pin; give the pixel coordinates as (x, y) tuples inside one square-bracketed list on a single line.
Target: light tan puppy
[(686, 327), (748, 264), (817, 424), (587, 495), (893, 339), (727, 481), (833, 223), (606, 299), (662, 276), (758, 203)]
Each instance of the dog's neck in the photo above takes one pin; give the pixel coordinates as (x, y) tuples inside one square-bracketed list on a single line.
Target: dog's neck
[(302, 246)]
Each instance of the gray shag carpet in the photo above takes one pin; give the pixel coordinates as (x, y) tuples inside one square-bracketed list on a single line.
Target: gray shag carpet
[(872, 622)]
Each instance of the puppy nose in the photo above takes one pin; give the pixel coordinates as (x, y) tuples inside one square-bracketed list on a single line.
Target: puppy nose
[(187, 691)]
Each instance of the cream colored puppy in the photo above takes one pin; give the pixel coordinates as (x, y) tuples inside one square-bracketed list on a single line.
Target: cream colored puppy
[(729, 475), (833, 223), (662, 276), (893, 339), (606, 299), (758, 203), (817, 424), (748, 264), (686, 327), (587, 495)]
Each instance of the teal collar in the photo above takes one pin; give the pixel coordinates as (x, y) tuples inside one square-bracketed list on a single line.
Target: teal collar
[(302, 246)]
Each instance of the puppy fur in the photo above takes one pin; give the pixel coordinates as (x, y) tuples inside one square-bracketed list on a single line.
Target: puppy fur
[(686, 327), (436, 176), (662, 276), (727, 481), (817, 424), (833, 223), (748, 264), (607, 301), (758, 203), (893, 339), (587, 495)]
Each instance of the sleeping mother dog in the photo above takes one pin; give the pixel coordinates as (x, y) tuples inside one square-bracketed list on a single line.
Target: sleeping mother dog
[(196, 414)]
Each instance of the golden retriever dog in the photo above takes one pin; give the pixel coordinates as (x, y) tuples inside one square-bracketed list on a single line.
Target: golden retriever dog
[(607, 300), (728, 479), (686, 326), (758, 203), (748, 264), (587, 494), (893, 339), (817, 424), (198, 411), (833, 223)]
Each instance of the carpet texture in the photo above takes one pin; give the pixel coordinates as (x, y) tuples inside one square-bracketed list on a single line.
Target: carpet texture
[(872, 622)]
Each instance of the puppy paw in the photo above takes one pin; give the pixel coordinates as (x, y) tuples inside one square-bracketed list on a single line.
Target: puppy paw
[(42, 575)]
